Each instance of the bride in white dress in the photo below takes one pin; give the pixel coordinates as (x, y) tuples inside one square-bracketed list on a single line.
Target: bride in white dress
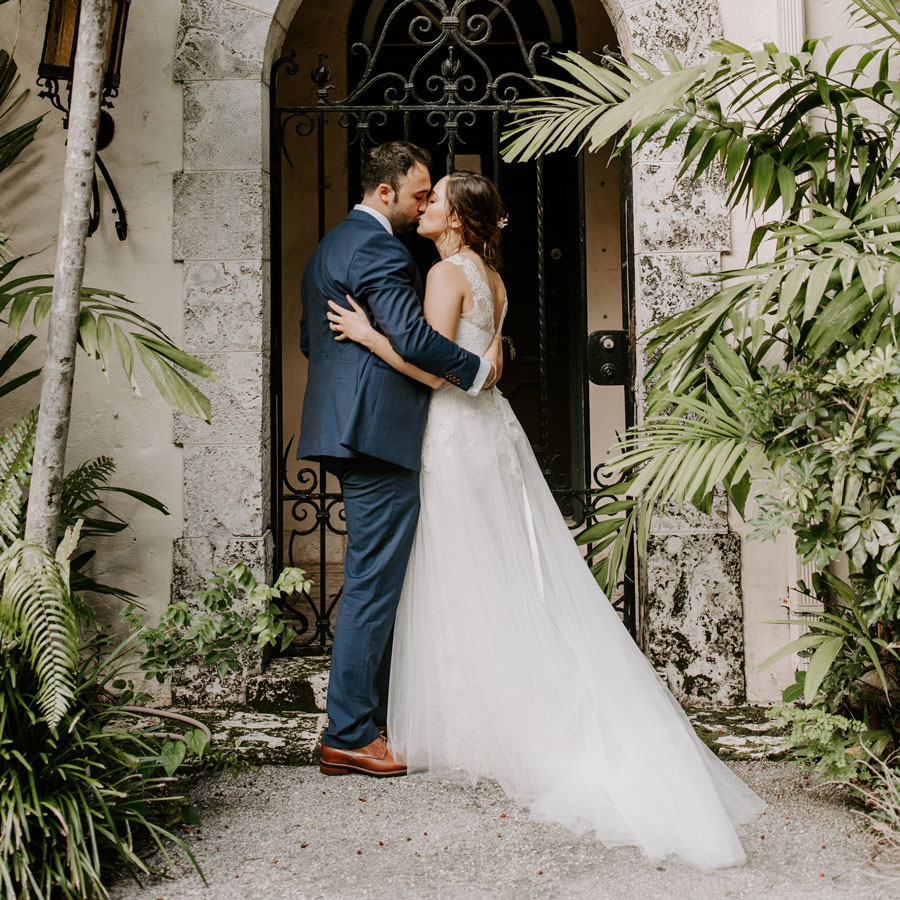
[(508, 660)]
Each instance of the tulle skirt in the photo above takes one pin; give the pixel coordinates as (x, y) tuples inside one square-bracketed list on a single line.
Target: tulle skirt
[(509, 662)]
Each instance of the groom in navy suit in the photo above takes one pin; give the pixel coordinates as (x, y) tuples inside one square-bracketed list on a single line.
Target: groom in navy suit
[(365, 422)]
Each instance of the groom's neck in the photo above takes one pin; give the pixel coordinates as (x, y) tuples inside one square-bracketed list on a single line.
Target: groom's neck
[(372, 201)]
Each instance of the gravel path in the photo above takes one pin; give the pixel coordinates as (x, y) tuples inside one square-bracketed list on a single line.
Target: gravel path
[(292, 834)]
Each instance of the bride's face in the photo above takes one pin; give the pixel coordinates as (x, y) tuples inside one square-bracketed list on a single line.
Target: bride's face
[(436, 219)]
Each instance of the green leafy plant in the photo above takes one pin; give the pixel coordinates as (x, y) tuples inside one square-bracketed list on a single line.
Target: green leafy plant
[(85, 797), (233, 612), (13, 142), (784, 382), (37, 614), (81, 788), (833, 745), (846, 635)]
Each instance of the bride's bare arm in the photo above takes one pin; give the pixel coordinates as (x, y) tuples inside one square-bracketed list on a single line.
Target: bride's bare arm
[(445, 291), (353, 324)]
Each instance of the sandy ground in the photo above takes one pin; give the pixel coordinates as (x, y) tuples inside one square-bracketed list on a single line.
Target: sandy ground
[(292, 834)]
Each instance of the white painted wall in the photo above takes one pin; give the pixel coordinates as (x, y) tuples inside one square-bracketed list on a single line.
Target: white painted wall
[(106, 418)]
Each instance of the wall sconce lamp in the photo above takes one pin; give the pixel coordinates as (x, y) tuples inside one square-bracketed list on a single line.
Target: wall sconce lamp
[(57, 66)]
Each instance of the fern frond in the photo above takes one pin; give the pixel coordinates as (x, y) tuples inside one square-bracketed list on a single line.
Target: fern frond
[(36, 609), (84, 480), (16, 452), (78, 492)]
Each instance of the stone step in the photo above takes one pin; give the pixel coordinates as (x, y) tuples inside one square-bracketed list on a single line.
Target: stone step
[(292, 738), (269, 739), (739, 732), (285, 739), (290, 684)]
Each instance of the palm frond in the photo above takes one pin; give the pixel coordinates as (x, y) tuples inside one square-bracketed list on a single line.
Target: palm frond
[(768, 157), (108, 322), (675, 459), (36, 610), (12, 143), (878, 14)]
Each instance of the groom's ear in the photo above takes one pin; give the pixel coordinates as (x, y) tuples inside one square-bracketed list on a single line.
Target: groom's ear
[(385, 192)]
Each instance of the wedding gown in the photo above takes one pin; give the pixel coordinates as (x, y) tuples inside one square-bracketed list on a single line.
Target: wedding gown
[(510, 663)]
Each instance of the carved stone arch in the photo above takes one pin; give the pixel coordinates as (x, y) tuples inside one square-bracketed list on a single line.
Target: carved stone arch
[(223, 55)]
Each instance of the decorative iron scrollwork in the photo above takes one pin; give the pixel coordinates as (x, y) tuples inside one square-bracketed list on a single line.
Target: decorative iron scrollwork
[(449, 81)]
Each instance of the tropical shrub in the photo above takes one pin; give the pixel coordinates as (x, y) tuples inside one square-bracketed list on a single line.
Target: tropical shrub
[(83, 798), (785, 381), (85, 794), (234, 611), (78, 788), (835, 746)]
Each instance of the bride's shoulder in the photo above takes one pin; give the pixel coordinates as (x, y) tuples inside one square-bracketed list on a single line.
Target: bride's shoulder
[(445, 273)]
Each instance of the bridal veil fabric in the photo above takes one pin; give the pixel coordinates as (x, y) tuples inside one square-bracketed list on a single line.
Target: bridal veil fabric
[(509, 662)]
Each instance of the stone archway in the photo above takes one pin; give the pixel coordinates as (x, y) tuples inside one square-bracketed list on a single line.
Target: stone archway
[(223, 55)]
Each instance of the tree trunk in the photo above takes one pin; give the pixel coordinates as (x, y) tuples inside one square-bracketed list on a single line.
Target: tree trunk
[(59, 368)]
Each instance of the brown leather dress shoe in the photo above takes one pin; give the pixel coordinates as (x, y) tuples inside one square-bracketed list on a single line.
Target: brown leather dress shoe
[(374, 759)]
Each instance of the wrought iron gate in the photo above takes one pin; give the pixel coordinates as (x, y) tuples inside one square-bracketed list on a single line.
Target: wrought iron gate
[(450, 100)]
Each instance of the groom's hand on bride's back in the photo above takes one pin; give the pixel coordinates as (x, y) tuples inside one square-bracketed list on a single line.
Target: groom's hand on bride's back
[(494, 355)]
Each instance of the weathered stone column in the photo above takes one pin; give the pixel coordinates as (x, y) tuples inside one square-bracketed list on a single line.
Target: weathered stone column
[(691, 615), (221, 232)]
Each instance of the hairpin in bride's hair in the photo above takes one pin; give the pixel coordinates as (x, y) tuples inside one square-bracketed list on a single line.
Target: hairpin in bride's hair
[(502, 223)]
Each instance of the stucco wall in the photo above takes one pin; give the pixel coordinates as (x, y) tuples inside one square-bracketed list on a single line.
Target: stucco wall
[(146, 151), (143, 158)]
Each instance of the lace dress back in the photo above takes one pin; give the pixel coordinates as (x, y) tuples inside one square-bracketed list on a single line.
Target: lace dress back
[(510, 663), (476, 325)]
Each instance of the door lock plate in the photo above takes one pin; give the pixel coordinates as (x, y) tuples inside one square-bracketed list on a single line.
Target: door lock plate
[(608, 357)]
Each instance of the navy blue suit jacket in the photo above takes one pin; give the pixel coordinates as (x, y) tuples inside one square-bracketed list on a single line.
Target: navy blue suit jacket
[(355, 403)]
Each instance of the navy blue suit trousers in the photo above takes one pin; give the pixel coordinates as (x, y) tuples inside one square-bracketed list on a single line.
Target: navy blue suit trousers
[(381, 503)]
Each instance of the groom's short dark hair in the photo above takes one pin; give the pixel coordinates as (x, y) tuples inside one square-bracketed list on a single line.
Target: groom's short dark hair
[(388, 163)]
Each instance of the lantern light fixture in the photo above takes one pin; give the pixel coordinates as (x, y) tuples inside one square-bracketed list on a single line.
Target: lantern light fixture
[(57, 67)]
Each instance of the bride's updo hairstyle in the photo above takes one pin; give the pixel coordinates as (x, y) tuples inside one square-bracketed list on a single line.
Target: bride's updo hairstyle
[(474, 200)]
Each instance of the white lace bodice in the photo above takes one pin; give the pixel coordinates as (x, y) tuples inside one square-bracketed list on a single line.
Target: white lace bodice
[(452, 412), (476, 326)]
